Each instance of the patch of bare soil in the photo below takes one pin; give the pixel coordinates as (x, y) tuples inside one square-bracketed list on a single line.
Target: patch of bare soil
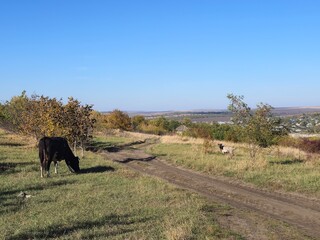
[(254, 213)]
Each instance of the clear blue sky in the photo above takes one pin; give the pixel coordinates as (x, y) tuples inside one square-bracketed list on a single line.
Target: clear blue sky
[(162, 55)]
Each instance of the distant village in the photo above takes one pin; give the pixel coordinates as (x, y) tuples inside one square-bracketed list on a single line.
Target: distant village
[(305, 123), (296, 120)]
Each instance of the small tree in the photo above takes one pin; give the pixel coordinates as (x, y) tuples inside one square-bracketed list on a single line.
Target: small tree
[(2, 114), (187, 122), (77, 122), (173, 124), (160, 122), (42, 117), (13, 109), (259, 127), (137, 121), (241, 111), (86, 123), (118, 120)]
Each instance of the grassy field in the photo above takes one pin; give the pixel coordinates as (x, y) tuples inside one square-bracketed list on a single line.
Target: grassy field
[(105, 201), (273, 168)]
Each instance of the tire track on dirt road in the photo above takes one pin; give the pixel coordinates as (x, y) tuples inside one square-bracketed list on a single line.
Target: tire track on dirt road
[(298, 211)]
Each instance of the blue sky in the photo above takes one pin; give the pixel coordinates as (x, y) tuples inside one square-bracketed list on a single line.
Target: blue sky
[(162, 55)]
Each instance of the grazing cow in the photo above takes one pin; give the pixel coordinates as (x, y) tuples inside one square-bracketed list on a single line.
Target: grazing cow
[(225, 149), (56, 149)]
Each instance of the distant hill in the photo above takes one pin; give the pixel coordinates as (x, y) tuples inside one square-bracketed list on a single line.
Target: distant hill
[(220, 115), (291, 111)]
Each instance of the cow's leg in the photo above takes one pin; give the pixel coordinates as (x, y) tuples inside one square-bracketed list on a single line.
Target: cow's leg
[(43, 168), (47, 167), (56, 167), (48, 172), (42, 156)]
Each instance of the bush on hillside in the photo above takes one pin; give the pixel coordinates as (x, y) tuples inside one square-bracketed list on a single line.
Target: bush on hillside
[(310, 145), (118, 120), (152, 129), (40, 116), (288, 141), (199, 130), (259, 127), (138, 121)]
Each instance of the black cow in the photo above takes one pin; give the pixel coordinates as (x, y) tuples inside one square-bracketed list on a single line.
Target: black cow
[(56, 149)]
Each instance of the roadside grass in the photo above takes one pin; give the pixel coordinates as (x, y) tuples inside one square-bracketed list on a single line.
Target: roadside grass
[(105, 201), (271, 168)]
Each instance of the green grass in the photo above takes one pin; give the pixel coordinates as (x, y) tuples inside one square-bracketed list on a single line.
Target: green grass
[(104, 142), (267, 170), (107, 201), (112, 140)]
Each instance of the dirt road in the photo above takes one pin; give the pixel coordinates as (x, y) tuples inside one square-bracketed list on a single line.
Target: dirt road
[(300, 212)]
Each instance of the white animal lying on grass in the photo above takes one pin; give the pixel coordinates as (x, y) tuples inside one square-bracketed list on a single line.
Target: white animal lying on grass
[(225, 149), (23, 195)]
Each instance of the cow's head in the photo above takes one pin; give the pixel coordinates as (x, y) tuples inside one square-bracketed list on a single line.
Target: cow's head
[(73, 165)]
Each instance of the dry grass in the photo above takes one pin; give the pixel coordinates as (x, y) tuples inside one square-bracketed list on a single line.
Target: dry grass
[(277, 168), (243, 149), (311, 159), (180, 140), (177, 232), (127, 135), (12, 139)]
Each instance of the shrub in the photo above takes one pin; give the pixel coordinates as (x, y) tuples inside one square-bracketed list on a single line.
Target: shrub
[(309, 145), (226, 132), (207, 146), (40, 116), (118, 120), (305, 144), (137, 121), (288, 141), (200, 130), (260, 127), (152, 129)]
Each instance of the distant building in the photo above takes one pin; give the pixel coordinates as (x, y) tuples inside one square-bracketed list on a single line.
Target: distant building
[(181, 129)]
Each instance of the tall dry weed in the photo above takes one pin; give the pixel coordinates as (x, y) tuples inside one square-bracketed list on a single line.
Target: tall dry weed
[(180, 140), (208, 146)]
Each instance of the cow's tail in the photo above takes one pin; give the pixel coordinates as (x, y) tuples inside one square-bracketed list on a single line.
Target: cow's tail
[(43, 155)]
